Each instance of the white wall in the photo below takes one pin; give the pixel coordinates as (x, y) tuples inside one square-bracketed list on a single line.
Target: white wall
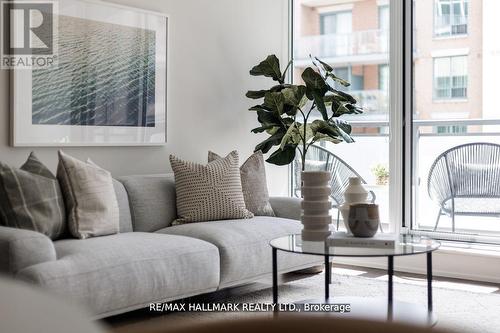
[(213, 44)]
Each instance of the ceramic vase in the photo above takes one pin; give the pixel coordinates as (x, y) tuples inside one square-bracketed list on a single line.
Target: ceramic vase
[(354, 193), (316, 205), (364, 219)]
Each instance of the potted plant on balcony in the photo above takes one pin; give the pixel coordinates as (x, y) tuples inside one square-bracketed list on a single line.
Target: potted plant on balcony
[(381, 173), (287, 115)]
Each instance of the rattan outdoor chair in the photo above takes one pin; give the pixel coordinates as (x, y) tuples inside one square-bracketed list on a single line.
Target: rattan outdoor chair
[(465, 180), (321, 159)]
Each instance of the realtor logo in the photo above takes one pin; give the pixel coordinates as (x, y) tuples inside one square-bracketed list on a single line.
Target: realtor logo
[(28, 31)]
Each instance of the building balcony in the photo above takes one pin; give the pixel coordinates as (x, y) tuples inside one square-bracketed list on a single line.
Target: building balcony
[(372, 101), (450, 25), (359, 47)]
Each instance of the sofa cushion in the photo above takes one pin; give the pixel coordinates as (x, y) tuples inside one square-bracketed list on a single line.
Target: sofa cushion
[(91, 204), (30, 198), (209, 192), (253, 183), (122, 272), (152, 201), (245, 253)]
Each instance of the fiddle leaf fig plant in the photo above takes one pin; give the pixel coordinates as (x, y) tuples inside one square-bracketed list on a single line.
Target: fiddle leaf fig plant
[(286, 110)]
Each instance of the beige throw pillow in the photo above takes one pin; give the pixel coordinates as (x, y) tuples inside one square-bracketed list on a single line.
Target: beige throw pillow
[(90, 198), (209, 192), (253, 183)]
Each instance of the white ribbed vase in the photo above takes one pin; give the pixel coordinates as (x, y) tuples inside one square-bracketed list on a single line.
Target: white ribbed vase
[(316, 205)]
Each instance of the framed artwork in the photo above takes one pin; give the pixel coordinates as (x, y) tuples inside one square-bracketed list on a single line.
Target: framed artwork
[(109, 86)]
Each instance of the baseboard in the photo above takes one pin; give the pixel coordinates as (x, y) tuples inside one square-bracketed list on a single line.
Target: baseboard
[(445, 263)]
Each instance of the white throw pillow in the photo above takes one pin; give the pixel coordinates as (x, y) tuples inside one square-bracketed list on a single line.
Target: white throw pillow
[(91, 204)]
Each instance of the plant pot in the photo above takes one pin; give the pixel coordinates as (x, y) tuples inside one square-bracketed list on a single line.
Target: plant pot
[(316, 205), (364, 220)]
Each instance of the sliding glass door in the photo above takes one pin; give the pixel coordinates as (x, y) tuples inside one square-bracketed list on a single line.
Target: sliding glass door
[(455, 119), (353, 38)]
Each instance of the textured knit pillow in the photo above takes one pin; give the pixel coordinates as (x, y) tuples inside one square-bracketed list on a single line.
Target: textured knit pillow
[(253, 183), (30, 198), (209, 192), (91, 204)]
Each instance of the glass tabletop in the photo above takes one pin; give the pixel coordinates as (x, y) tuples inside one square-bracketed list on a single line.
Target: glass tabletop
[(404, 245)]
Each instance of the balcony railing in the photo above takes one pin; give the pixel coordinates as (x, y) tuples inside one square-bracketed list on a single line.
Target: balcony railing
[(371, 149), (450, 25), (372, 100), (357, 43)]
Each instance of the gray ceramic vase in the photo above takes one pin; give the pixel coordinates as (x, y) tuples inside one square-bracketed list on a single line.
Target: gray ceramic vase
[(364, 219)]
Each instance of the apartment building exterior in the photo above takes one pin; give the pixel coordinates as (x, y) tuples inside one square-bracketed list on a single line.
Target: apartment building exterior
[(353, 37)]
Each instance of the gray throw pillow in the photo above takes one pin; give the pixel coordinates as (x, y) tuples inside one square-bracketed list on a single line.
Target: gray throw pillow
[(30, 198), (209, 192), (91, 204), (253, 183)]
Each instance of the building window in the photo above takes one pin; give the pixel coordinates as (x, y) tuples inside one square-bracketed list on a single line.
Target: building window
[(450, 129), (336, 23), (383, 77), (450, 77), (451, 17), (383, 18), (346, 73)]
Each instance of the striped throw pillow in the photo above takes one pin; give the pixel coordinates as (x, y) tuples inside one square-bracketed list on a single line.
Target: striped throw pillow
[(209, 192), (30, 198)]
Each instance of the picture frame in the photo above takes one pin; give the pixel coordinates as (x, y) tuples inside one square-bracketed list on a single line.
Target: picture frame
[(110, 84)]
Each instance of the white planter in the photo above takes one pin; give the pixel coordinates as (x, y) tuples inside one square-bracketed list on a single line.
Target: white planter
[(316, 205)]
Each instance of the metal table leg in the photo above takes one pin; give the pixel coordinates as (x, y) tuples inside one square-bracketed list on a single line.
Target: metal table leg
[(390, 273), (429, 281), (327, 277), (275, 276)]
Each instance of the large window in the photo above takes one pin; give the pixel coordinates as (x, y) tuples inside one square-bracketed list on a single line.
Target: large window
[(450, 77), (353, 38), (336, 23), (455, 126), (451, 17)]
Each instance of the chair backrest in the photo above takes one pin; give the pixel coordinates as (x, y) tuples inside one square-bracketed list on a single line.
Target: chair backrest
[(321, 159), (469, 170)]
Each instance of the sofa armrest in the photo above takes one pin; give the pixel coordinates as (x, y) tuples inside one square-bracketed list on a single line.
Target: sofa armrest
[(286, 207), (21, 248)]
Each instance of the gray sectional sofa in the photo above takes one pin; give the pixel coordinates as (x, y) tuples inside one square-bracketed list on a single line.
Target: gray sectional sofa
[(150, 260)]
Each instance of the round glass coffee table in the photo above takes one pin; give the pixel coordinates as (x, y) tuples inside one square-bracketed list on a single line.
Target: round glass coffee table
[(365, 307)]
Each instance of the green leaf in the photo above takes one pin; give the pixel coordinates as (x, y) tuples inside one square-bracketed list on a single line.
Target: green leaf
[(294, 95), (268, 118), (343, 129), (320, 104), (274, 101), (318, 137), (343, 96), (260, 108), (314, 81), (292, 136), (309, 132), (326, 67), (273, 140), (256, 94), (283, 156), (263, 128), (327, 71), (268, 68)]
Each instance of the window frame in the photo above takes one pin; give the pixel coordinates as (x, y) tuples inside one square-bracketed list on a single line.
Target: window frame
[(331, 13), (450, 77), (436, 16)]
